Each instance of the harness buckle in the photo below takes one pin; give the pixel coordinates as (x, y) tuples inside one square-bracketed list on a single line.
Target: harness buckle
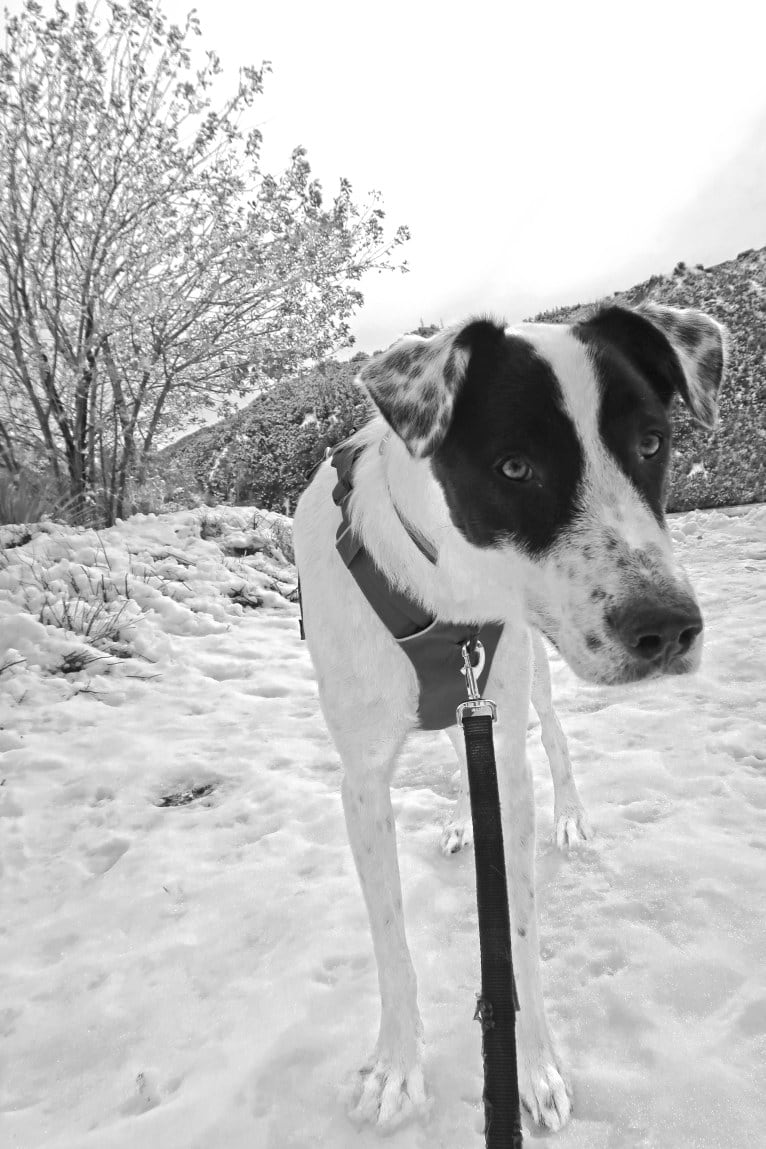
[(480, 708)]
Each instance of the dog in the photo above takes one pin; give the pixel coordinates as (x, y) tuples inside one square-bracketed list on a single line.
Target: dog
[(514, 478)]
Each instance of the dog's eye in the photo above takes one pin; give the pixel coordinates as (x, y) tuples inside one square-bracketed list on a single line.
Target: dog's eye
[(516, 469), (649, 445)]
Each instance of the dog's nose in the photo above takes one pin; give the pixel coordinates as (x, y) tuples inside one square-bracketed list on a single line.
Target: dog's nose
[(654, 631)]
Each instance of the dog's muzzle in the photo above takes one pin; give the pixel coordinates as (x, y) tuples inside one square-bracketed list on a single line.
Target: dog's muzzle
[(658, 635)]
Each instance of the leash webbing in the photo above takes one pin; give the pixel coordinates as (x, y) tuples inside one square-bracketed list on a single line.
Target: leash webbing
[(497, 1005)]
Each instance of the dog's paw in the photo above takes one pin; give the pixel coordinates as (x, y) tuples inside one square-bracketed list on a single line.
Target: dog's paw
[(456, 835), (385, 1096), (545, 1093), (572, 827)]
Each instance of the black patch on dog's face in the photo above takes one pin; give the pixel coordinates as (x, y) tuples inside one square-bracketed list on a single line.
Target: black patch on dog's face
[(638, 374), (509, 405)]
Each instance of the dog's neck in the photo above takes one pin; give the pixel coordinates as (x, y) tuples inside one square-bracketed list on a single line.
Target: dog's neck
[(419, 538), (416, 506)]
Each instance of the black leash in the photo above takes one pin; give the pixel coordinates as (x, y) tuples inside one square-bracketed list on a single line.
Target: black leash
[(497, 1004)]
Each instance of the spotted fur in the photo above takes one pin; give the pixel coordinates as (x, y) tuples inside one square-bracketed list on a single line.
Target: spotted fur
[(414, 385), (701, 345)]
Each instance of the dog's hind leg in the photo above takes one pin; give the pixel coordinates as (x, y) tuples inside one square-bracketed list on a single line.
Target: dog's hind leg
[(569, 818), (390, 1087)]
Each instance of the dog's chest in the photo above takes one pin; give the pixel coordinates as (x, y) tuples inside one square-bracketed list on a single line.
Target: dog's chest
[(432, 645)]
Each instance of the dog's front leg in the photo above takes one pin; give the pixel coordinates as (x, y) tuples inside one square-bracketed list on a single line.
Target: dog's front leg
[(541, 1082), (390, 1086)]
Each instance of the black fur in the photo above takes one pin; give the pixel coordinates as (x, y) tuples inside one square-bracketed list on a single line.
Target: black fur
[(509, 404), (639, 374)]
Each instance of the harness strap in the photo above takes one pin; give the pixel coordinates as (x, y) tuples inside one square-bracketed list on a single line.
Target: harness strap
[(432, 646), (396, 611), (425, 547)]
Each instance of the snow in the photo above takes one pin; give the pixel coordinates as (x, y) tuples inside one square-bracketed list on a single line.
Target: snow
[(201, 976)]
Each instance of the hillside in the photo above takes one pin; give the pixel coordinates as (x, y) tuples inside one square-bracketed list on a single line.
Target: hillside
[(728, 466), (262, 454)]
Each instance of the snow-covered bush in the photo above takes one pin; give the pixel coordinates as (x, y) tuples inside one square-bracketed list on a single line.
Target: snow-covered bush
[(76, 602)]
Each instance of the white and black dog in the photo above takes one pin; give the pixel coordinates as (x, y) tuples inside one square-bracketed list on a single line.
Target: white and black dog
[(514, 476)]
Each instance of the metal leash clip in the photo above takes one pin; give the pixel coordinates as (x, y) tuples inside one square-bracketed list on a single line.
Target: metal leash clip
[(476, 705)]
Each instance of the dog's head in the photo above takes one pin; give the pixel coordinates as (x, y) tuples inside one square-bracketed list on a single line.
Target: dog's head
[(552, 443)]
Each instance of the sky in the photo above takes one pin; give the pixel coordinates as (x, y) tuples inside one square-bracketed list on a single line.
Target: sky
[(541, 154)]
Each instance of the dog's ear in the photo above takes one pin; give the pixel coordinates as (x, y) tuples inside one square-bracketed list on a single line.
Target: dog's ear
[(700, 346), (414, 385)]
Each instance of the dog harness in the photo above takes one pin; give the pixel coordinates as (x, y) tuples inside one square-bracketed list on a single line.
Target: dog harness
[(433, 647)]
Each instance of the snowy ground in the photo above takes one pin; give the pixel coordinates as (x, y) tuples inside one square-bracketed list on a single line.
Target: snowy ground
[(200, 976)]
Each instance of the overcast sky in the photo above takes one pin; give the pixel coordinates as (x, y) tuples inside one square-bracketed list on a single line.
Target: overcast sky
[(541, 154)]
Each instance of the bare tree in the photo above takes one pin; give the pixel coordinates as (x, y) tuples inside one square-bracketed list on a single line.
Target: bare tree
[(148, 267)]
